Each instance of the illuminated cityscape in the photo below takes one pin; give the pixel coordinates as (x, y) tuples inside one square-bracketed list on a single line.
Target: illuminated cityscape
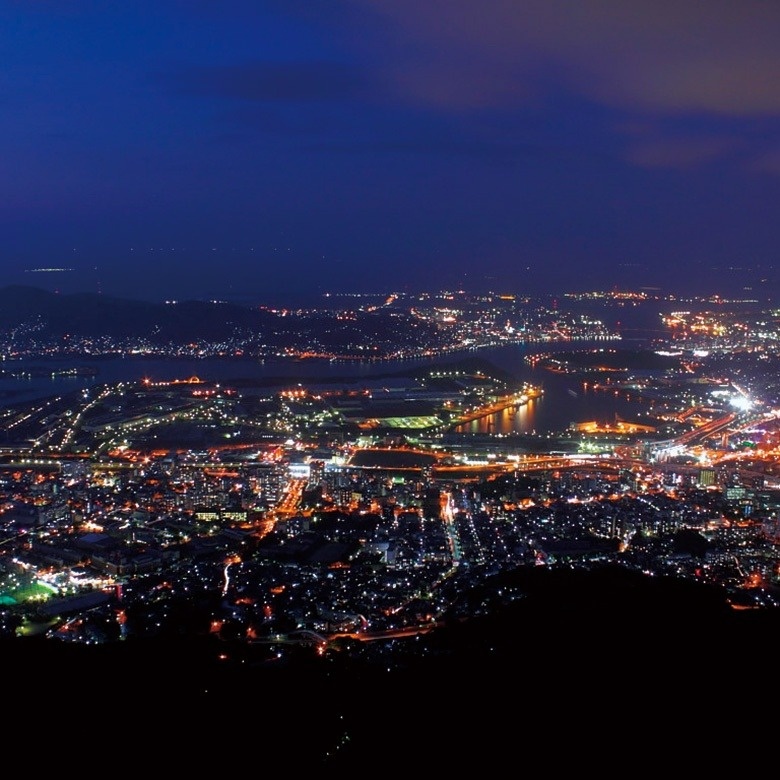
[(363, 518)]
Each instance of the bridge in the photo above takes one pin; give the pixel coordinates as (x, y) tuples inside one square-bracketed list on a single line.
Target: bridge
[(728, 423)]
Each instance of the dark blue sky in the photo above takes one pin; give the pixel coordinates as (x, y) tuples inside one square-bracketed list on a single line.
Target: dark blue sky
[(265, 149)]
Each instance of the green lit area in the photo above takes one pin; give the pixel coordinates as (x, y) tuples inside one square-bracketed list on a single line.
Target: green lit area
[(411, 423), (13, 593)]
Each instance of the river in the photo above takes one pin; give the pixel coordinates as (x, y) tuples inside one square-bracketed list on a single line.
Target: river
[(564, 399)]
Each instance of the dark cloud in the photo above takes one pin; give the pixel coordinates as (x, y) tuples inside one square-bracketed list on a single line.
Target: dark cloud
[(272, 81)]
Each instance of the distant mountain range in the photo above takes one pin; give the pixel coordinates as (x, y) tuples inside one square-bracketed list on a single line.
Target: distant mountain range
[(34, 316), (84, 314)]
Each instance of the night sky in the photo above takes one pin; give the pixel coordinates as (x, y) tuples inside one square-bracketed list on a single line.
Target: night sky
[(284, 148)]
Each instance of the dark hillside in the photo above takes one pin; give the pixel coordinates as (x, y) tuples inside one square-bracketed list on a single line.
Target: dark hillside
[(90, 314), (38, 317), (584, 662)]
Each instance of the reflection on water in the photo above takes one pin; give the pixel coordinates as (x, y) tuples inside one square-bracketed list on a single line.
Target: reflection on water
[(517, 419), (562, 404), (564, 400)]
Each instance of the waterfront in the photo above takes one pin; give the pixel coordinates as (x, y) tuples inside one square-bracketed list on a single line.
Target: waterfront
[(563, 401)]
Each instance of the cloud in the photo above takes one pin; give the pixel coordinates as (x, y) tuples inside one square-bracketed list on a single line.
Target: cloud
[(677, 152), (768, 162), (657, 56), (272, 81)]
